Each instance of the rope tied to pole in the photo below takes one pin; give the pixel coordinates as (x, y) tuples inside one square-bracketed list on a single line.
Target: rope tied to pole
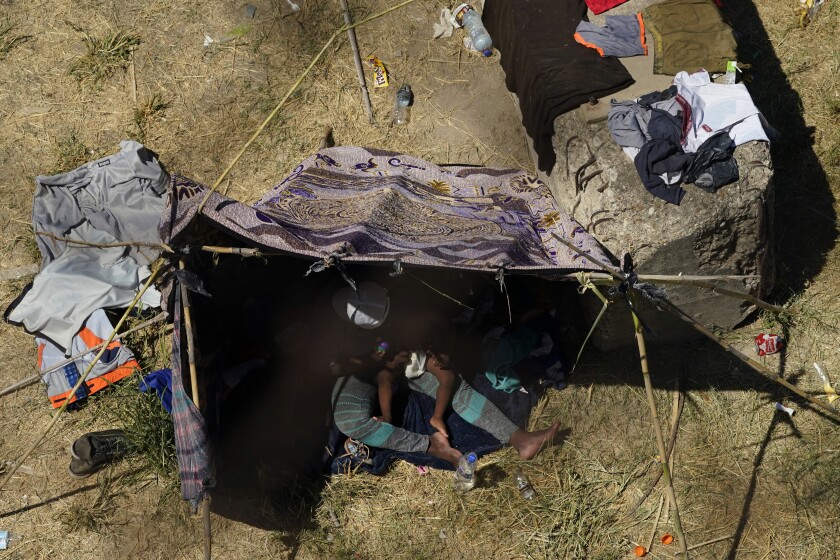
[(334, 260)]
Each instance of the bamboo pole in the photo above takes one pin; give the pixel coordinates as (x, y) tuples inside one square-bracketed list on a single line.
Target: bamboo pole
[(80, 243), (63, 407), (351, 34), (286, 97), (757, 366), (672, 440), (660, 439), (241, 251), (185, 301), (205, 521), (34, 379), (652, 536), (712, 541)]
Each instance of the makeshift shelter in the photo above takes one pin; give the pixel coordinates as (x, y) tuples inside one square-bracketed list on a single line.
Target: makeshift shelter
[(343, 206)]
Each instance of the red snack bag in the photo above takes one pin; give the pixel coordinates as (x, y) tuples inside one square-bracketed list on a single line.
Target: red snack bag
[(768, 344)]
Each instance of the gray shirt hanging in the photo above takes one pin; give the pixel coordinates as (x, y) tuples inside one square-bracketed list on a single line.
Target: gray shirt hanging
[(118, 198)]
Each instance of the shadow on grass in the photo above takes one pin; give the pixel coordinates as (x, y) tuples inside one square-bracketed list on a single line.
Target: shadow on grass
[(805, 221)]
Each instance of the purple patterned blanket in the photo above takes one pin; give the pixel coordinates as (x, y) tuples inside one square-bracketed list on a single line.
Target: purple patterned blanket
[(373, 205)]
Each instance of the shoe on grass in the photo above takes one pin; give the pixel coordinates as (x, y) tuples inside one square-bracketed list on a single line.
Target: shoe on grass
[(100, 446), (79, 468)]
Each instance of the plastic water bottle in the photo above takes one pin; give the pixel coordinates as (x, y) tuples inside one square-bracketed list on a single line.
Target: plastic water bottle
[(524, 486), (481, 40), (402, 104), (7, 539), (828, 388), (465, 474), (731, 69)]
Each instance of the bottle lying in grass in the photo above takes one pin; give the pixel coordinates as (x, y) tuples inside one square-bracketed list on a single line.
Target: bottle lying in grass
[(465, 474), (8, 539), (524, 486)]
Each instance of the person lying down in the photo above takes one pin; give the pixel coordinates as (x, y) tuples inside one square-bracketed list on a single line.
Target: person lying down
[(366, 349)]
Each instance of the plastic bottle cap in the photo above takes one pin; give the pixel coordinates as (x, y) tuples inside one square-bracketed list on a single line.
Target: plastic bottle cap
[(667, 538), (639, 551), (487, 52), (471, 458)]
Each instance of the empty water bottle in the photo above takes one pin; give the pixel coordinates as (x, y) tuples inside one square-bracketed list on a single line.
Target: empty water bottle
[(481, 40), (524, 486), (402, 104), (731, 68), (465, 474), (7, 539)]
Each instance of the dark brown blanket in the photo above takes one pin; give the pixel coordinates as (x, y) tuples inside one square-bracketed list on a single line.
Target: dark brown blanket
[(544, 66)]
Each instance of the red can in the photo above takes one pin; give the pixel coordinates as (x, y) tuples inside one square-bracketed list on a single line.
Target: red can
[(768, 344)]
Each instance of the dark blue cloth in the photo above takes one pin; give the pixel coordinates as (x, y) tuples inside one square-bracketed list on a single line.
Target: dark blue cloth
[(159, 382)]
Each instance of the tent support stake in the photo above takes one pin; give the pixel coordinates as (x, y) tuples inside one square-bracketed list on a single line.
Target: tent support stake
[(185, 301), (758, 367), (351, 34), (660, 439), (205, 520)]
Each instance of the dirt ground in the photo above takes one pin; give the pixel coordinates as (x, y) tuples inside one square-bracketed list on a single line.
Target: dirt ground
[(766, 482)]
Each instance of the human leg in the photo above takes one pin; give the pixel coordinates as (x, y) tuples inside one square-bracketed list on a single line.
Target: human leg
[(474, 407), (353, 413)]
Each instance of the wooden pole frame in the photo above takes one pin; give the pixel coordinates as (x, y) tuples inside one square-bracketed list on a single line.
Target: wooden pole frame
[(357, 60)]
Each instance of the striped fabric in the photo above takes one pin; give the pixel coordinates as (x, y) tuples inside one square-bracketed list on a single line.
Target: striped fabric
[(191, 442)]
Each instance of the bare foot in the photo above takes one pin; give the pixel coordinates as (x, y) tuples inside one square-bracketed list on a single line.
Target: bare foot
[(439, 425), (439, 447), (528, 444)]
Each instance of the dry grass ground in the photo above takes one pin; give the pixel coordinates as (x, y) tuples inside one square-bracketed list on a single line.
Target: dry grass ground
[(76, 77)]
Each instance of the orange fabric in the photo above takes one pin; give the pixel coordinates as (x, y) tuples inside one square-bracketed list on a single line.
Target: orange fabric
[(583, 42), (40, 355), (642, 31), (92, 340), (98, 383)]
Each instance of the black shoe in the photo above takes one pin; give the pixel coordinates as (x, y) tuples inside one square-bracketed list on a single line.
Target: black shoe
[(91, 452)]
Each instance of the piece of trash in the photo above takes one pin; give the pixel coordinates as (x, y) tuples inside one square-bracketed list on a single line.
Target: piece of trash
[(380, 74), (470, 20), (250, 11), (330, 537), (422, 471), (334, 518), (766, 344), (789, 411), (445, 27), (208, 40), (808, 11), (23, 469), (293, 6), (402, 103), (8, 539), (442, 534), (524, 485), (667, 538), (639, 551), (828, 388)]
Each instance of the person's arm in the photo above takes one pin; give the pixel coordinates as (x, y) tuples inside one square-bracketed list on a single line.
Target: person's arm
[(386, 393), (447, 383)]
